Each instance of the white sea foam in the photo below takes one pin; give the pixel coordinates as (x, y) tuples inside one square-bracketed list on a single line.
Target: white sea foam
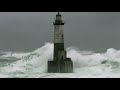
[(86, 63)]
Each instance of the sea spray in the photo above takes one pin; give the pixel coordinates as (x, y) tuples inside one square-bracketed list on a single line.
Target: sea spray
[(86, 63), (35, 61)]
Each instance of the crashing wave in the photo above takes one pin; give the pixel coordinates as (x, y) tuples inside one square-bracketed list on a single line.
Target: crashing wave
[(85, 63)]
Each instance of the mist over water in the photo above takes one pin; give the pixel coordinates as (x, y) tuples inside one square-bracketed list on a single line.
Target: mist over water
[(87, 64)]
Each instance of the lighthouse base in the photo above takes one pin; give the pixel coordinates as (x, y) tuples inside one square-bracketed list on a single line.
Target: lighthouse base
[(64, 66)]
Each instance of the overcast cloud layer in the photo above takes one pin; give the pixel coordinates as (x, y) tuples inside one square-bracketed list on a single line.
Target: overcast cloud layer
[(27, 31)]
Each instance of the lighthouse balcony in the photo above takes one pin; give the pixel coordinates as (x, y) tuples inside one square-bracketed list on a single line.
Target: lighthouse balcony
[(58, 22)]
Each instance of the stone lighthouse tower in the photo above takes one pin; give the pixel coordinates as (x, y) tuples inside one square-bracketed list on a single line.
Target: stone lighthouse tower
[(60, 63)]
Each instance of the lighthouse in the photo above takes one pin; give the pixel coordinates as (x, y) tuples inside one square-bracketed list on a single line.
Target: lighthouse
[(60, 62)]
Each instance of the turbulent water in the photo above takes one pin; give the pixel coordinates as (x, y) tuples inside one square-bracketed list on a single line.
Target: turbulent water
[(87, 64)]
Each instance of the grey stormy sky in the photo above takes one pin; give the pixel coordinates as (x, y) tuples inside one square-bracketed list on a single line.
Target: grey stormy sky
[(27, 31)]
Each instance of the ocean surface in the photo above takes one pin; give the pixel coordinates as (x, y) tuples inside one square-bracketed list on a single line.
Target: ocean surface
[(87, 64)]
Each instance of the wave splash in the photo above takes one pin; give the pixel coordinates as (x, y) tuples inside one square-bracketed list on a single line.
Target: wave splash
[(86, 63)]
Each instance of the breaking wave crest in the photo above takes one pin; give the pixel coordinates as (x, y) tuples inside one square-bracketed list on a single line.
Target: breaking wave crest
[(86, 63)]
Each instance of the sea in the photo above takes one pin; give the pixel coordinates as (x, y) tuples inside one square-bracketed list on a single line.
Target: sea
[(86, 64)]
